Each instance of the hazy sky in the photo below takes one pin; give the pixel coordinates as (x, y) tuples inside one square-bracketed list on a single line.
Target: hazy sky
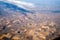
[(49, 4)]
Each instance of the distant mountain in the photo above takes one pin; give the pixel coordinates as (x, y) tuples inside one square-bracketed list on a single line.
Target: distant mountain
[(5, 5)]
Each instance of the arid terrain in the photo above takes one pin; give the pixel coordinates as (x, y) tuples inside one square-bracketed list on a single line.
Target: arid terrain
[(15, 25)]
